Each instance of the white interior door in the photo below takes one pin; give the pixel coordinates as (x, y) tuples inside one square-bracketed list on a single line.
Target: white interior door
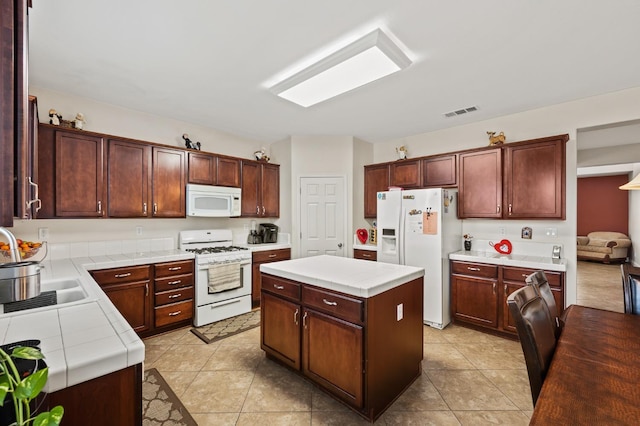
[(322, 216)]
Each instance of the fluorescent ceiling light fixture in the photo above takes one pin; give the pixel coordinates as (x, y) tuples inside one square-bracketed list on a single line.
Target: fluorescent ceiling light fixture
[(633, 184), (365, 60)]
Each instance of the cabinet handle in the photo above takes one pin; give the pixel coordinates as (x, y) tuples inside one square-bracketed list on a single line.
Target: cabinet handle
[(327, 302), (128, 274), (304, 319), (174, 282), (271, 256), (498, 209), (258, 210), (155, 208), (173, 314), (366, 255), (505, 289), (295, 317), (144, 208), (525, 275), (175, 268), (262, 210), (100, 207), (494, 288), (35, 200), (509, 209), (278, 287), (146, 289), (472, 269), (175, 296)]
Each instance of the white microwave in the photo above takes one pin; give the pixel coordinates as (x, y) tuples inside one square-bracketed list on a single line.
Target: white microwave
[(213, 201)]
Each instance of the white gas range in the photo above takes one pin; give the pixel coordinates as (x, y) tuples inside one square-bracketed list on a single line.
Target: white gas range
[(223, 274)]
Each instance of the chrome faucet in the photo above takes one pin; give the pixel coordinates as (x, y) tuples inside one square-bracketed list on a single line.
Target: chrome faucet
[(13, 244)]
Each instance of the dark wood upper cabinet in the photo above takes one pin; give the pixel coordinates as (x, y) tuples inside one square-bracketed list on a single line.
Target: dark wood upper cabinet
[(376, 179), (168, 183), (228, 172), (202, 168), (480, 185), (535, 179), (440, 171), (79, 171), (128, 179), (260, 189), (405, 174)]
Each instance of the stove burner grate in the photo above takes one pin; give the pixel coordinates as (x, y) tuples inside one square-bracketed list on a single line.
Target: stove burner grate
[(212, 250)]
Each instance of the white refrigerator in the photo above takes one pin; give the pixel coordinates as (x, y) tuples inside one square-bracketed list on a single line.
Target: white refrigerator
[(420, 228)]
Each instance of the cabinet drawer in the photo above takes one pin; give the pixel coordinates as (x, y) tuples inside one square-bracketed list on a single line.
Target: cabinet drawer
[(341, 306), (176, 312), (173, 296), (519, 274), (174, 282), (271, 255), (475, 269), (121, 275), (365, 254), (284, 288), (174, 268)]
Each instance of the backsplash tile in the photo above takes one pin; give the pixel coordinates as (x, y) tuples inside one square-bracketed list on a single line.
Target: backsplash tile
[(112, 248)]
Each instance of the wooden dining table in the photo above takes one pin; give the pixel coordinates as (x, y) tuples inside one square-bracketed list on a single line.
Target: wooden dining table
[(594, 377)]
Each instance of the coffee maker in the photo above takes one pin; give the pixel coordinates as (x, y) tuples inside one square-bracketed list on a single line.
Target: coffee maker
[(269, 232)]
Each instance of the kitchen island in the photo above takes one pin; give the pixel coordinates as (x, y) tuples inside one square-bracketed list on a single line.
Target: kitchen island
[(353, 327)]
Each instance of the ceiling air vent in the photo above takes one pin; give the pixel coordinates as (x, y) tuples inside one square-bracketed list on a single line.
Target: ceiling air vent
[(461, 111)]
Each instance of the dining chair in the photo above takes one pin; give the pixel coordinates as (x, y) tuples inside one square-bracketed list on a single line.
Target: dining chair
[(536, 333), (631, 288), (539, 281)]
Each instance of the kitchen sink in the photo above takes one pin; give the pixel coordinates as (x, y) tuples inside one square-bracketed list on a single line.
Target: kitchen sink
[(53, 294)]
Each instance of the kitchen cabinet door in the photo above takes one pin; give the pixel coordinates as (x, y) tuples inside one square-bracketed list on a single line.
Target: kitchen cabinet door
[(202, 168), (440, 171), (376, 179), (169, 186), (250, 189), (535, 180), (280, 327), (79, 171), (480, 184), (406, 174), (133, 302), (270, 190), (333, 355), (228, 172), (474, 300), (128, 179)]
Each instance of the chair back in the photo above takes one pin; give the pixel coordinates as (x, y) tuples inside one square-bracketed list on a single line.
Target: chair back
[(539, 281), (631, 288), (536, 332)]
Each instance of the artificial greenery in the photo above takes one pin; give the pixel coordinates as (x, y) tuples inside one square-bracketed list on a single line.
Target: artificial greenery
[(24, 390)]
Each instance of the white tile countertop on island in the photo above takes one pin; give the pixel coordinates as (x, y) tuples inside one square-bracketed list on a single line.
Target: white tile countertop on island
[(356, 277), (86, 338)]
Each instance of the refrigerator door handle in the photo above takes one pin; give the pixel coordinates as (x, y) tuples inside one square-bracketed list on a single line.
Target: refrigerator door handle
[(401, 237)]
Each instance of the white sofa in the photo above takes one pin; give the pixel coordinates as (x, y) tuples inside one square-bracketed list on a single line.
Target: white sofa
[(604, 247)]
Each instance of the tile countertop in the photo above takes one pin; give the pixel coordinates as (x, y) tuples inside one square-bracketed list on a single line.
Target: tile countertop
[(265, 246), (356, 277), (518, 260), (88, 338)]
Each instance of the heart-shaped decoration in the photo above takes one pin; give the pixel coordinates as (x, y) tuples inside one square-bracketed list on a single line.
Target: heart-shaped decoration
[(363, 235), (503, 247)]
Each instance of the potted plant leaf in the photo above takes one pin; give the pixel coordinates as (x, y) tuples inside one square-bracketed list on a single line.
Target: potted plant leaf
[(19, 386)]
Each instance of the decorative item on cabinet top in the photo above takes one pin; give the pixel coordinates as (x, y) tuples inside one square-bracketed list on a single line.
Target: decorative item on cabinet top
[(402, 152), (189, 144), (54, 117), (498, 139), (261, 155)]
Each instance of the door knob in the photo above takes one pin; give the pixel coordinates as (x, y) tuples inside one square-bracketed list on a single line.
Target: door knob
[(339, 245)]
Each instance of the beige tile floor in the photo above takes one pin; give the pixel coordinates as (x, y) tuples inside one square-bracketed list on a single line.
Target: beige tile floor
[(468, 378)]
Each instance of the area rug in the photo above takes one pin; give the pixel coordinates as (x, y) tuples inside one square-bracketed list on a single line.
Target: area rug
[(160, 406), (228, 327)]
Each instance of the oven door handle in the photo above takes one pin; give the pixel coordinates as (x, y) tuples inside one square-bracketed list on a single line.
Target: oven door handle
[(225, 302)]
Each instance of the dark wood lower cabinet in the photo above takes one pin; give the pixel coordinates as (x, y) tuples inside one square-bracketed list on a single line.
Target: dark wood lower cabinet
[(113, 399), (354, 348), (479, 294)]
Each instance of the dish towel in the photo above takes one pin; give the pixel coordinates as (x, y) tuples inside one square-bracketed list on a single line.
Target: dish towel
[(224, 276)]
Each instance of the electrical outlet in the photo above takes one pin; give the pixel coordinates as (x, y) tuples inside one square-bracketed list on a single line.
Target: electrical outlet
[(43, 234), (502, 230), (551, 232), (138, 230)]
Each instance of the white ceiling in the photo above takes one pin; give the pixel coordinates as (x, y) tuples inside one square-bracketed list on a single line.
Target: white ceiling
[(209, 61)]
